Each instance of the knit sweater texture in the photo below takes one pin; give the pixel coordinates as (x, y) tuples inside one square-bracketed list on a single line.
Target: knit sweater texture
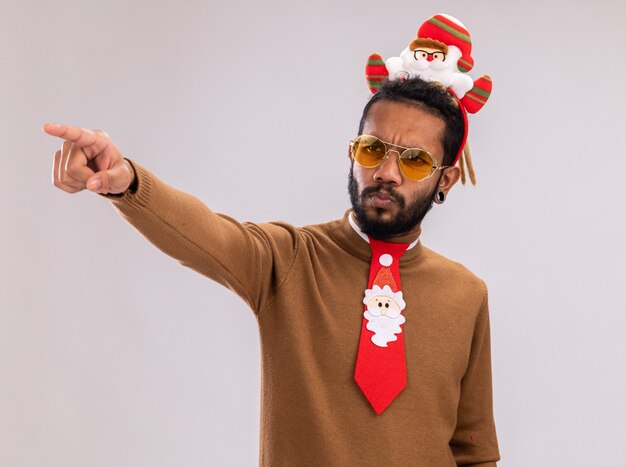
[(305, 287)]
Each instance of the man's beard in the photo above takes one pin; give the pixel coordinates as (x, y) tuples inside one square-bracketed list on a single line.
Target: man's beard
[(407, 219)]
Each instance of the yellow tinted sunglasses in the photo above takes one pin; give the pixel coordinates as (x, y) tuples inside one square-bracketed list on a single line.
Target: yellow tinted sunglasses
[(415, 163)]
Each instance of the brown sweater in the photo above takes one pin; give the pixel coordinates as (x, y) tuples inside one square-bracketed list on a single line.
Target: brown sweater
[(305, 287)]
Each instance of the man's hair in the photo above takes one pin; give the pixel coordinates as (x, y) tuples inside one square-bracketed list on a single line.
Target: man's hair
[(430, 97)]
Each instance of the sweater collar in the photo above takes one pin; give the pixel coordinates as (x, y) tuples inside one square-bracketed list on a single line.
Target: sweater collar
[(350, 238), (358, 230)]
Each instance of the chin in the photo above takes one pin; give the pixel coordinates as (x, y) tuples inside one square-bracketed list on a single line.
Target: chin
[(379, 214), (386, 222)]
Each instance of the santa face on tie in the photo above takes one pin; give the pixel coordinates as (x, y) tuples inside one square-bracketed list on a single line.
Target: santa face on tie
[(383, 313)]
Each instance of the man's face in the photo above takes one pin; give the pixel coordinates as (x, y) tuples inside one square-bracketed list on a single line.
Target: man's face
[(386, 204)]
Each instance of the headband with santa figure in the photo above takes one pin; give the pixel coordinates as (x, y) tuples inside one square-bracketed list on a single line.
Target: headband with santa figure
[(440, 52)]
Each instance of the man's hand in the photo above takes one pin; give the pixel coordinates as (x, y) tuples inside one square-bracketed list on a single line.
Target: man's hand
[(88, 159)]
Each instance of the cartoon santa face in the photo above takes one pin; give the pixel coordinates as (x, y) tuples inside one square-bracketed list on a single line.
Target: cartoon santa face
[(383, 314), (431, 60), (381, 305)]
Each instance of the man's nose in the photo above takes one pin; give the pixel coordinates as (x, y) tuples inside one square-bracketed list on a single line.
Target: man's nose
[(430, 58), (389, 170)]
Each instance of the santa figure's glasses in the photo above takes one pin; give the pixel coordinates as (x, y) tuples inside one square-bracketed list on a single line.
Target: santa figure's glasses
[(420, 54)]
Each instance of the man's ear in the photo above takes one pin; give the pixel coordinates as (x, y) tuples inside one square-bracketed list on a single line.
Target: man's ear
[(449, 178), (349, 152)]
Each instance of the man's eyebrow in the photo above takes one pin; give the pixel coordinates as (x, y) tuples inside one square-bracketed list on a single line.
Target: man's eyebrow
[(419, 146)]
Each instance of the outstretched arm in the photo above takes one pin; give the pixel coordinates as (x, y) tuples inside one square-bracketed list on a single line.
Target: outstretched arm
[(253, 260)]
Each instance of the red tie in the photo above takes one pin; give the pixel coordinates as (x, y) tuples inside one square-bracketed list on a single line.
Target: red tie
[(381, 361)]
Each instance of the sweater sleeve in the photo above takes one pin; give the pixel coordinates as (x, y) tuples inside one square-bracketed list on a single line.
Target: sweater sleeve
[(474, 441), (251, 259)]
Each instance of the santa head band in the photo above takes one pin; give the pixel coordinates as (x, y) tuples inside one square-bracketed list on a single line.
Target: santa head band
[(440, 52)]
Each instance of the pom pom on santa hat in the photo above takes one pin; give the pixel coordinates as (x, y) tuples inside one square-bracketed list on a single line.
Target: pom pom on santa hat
[(450, 31)]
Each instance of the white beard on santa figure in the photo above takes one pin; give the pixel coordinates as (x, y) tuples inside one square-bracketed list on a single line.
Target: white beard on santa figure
[(444, 72), (384, 327), (383, 308)]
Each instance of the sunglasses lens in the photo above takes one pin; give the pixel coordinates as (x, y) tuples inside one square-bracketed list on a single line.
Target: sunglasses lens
[(368, 151), (416, 164)]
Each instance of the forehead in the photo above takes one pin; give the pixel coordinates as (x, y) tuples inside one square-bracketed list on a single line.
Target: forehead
[(406, 125)]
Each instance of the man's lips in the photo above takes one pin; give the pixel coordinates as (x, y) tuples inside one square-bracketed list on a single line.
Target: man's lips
[(381, 199)]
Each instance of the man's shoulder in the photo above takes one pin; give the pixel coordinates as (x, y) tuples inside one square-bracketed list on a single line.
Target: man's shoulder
[(321, 228), (286, 232), (450, 272)]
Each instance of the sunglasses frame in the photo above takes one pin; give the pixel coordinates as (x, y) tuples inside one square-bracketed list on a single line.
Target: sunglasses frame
[(433, 169)]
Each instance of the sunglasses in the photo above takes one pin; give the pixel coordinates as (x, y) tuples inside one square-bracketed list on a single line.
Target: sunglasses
[(416, 164)]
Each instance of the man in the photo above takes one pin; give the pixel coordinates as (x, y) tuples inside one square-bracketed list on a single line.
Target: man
[(340, 386)]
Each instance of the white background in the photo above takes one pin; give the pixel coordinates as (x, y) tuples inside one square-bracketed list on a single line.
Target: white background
[(108, 349)]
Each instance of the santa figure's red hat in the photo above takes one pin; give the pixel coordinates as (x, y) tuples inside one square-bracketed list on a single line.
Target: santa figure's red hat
[(384, 283), (450, 31)]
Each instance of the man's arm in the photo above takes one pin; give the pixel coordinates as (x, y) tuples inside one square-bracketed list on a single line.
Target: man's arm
[(252, 260), (474, 442)]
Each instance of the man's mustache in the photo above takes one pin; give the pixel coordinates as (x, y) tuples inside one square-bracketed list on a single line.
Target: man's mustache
[(388, 190)]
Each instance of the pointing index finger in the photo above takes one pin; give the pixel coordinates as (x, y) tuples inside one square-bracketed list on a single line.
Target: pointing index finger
[(92, 142), (79, 136)]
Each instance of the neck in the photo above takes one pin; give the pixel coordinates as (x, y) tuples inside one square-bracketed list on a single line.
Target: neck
[(411, 237)]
